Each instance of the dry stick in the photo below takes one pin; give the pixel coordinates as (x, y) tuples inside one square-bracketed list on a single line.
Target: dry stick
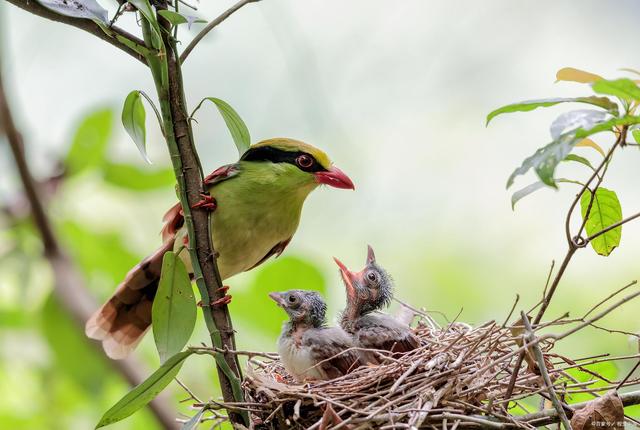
[(213, 24), (544, 373), (113, 35), (611, 227), (615, 293), (68, 284)]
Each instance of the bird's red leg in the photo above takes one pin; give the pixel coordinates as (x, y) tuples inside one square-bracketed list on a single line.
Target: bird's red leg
[(207, 202), (224, 300)]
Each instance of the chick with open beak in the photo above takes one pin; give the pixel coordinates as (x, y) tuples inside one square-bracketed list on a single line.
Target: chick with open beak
[(308, 348), (369, 291)]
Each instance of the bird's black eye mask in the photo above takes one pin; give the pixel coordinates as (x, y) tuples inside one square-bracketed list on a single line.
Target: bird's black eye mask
[(302, 160)]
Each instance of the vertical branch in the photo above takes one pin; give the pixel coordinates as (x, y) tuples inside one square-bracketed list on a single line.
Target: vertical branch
[(188, 171), (68, 284), (531, 339)]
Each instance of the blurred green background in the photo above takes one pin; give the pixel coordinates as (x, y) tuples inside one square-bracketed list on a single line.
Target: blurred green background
[(396, 93)]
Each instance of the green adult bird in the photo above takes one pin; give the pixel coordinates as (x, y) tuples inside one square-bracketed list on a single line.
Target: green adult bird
[(257, 202)]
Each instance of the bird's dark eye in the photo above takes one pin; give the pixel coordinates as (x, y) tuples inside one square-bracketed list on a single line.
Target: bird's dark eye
[(371, 276), (304, 161), (293, 300)]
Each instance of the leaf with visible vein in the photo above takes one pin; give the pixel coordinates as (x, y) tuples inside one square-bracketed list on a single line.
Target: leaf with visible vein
[(578, 159), (530, 105), (605, 211), (173, 314), (146, 391)]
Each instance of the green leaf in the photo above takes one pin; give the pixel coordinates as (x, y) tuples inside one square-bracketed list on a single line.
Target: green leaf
[(86, 9), (530, 105), (608, 125), (605, 211), (144, 7), (623, 88), (545, 160), (146, 391), (173, 314), (90, 141), (176, 18), (636, 135), (578, 159), (133, 119), (531, 188), (135, 178), (237, 128)]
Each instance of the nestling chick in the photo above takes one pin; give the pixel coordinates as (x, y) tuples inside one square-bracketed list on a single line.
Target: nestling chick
[(368, 291), (308, 348)]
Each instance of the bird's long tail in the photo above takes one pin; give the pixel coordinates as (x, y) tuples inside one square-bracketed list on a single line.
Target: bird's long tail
[(124, 319)]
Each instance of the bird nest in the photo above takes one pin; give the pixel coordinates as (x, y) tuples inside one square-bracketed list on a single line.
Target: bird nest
[(459, 377)]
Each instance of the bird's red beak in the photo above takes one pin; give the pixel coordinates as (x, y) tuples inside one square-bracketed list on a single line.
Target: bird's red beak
[(336, 178), (277, 297), (348, 277)]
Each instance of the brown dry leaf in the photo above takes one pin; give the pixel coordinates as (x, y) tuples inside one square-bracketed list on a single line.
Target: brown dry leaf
[(606, 412), (591, 144), (576, 75)]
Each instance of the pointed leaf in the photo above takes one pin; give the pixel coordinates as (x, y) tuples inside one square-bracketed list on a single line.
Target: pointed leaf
[(133, 177), (578, 159), (86, 9), (89, 142), (605, 211), (133, 119), (609, 125), (576, 75), (531, 188), (173, 314), (545, 160), (529, 105), (636, 135), (176, 18), (144, 7), (626, 89), (581, 118), (146, 391), (591, 144), (237, 128)]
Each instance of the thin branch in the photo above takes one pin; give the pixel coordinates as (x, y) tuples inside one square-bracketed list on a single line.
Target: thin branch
[(611, 227), (544, 373), (69, 287), (213, 24), (115, 36)]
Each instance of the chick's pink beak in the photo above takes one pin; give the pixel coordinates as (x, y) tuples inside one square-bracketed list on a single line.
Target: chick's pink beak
[(347, 276), (277, 297), (336, 178)]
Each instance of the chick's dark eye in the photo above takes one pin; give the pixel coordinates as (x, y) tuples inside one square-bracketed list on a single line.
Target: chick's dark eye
[(304, 161), (372, 276), (292, 299)]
